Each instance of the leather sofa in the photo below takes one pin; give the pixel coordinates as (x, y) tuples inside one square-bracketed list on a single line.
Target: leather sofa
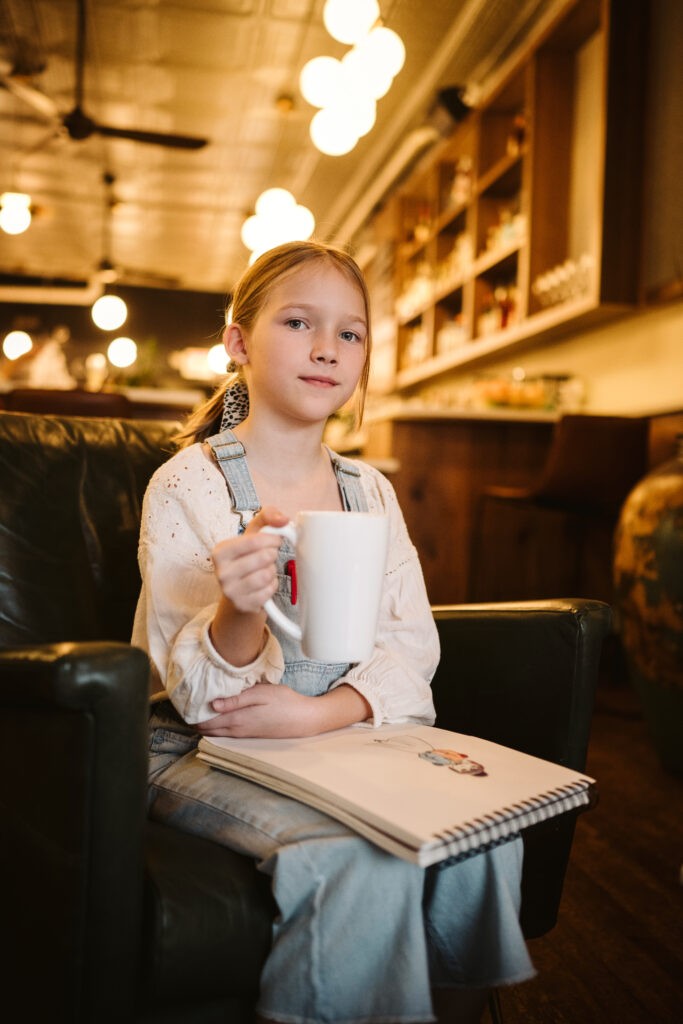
[(107, 916)]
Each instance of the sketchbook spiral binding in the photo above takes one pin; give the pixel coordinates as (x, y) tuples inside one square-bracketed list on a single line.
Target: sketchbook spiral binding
[(499, 827)]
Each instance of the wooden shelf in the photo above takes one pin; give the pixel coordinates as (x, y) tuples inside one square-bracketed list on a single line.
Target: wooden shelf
[(487, 260), (550, 324), (539, 179), (497, 174)]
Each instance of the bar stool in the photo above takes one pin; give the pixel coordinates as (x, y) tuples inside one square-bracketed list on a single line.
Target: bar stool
[(555, 538)]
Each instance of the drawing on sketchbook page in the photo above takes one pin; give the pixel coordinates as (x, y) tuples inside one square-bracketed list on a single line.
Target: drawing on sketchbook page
[(454, 760)]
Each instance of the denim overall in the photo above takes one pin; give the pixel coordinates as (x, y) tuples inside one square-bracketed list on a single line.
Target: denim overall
[(361, 936), (303, 675)]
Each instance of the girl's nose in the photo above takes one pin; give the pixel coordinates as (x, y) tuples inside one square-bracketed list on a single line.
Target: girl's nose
[(324, 348)]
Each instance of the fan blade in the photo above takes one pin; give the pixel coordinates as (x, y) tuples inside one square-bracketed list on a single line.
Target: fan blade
[(153, 138), (33, 97), (80, 126)]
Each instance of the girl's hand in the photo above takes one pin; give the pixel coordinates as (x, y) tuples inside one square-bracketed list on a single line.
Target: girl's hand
[(278, 712), (246, 565), (263, 710)]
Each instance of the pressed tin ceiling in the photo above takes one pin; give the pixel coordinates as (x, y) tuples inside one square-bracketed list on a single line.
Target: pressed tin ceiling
[(217, 69)]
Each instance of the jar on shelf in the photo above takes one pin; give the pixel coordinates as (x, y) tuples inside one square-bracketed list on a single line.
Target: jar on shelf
[(424, 224), (516, 136), (461, 188)]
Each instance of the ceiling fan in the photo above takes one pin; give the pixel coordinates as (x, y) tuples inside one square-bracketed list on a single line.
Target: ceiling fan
[(110, 271), (78, 124)]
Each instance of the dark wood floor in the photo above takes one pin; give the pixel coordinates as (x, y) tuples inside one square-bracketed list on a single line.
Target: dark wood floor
[(616, 954)]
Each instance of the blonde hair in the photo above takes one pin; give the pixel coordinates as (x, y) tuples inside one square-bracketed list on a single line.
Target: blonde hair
[(249, 297)]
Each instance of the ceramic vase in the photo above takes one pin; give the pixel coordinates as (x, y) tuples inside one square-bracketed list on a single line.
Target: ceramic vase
[(648, 576)]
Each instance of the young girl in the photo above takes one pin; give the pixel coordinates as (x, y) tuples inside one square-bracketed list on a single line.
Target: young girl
[(360, 935)]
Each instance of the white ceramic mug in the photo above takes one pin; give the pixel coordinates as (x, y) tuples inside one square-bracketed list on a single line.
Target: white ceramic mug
[(340, 563)]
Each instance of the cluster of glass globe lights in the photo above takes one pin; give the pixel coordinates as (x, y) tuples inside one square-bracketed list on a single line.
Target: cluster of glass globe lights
[(346, 92)]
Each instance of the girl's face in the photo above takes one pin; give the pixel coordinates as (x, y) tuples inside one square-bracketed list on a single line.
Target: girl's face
[(306, 349)]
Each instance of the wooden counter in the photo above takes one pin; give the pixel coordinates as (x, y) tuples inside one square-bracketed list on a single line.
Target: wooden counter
[(443, 463)]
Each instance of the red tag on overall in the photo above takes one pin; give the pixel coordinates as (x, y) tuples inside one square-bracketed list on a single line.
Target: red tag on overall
[(290, 569)]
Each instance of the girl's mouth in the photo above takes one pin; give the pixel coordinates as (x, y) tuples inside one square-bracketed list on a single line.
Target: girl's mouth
[(321, 382)]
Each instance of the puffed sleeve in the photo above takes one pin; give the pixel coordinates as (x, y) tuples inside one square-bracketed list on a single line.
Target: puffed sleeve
[(184, 515), (396, 679)]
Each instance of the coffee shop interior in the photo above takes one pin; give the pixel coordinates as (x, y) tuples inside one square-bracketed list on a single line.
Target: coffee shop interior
[(507, 175)]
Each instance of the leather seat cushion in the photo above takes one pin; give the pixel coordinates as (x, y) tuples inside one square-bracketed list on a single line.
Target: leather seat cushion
[(208, 918)]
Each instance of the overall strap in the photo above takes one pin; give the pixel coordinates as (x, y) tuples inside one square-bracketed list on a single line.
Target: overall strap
[(231, 457), (348, 477)]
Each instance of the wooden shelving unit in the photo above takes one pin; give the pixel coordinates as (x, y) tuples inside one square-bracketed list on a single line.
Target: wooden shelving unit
[(523, 224)]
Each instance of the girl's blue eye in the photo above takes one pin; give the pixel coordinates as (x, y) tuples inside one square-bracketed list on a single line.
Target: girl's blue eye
[(295, 323), (350, 336)]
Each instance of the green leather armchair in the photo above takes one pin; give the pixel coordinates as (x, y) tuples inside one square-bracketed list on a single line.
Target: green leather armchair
[(106, 915)]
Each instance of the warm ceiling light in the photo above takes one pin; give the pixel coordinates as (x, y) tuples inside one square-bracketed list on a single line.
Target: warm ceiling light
[(274, 202), (350, 20), (15, 212), (331, 134), (278, 218), (109, 312), (16, 344), (217, 359), (347, 90), (122, 352), (360, 66), (320, 80), (385, 48)]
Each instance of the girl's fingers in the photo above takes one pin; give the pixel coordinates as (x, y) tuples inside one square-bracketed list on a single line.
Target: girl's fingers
[(267, 516)]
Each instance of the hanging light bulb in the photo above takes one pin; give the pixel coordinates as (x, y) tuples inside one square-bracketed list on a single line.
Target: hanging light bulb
[(109, 312), (384, 48), (359, 66), (319, 80), (331, 134), (16, 344), (217, 359), (122, 352), (278, 218), (15, 212), (254, 233), (302, 223), (274, 202), (349, 20)]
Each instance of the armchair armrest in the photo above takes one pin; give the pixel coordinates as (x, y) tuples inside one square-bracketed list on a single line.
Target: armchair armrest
[(524, 674), (73, 780)]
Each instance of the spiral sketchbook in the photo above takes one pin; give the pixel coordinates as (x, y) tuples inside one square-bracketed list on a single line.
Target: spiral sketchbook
[(422, 793)]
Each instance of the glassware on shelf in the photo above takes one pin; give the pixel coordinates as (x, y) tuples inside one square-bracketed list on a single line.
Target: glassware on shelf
[(451, 335), (461, 187), (565, 282), (417, 292), (509, 230), (417, 348), (456, 263)]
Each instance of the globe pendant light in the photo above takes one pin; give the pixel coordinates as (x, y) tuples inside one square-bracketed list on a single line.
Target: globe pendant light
[(15, 212), (347, 21), (109, 312)]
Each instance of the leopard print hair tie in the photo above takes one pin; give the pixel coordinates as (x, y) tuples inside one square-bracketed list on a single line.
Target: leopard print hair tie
[(235, 404)]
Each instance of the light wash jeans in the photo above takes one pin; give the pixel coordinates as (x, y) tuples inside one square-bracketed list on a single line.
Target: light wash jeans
[(360, 935)]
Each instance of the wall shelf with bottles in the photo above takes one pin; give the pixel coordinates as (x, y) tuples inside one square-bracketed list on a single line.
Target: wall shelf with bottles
[(523, 224)]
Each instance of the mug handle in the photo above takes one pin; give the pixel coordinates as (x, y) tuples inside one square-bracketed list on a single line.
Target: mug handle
[(270, 608)]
